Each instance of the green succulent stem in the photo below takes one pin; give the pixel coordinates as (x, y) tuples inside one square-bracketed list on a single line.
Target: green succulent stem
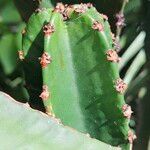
[(74, 67), (119, 29)]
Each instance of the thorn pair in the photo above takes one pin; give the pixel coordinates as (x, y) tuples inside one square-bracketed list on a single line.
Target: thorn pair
[(120, 86), (127, 112), (48, 29), (112, 56), (64, 10), (45, 60), (82, 8), (97, 26)]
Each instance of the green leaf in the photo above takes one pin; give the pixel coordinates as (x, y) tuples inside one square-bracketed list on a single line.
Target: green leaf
[(131, 51), (136, 65), (24, 128)]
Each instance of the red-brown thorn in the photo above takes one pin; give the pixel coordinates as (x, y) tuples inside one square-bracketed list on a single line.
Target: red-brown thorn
[(112, 56), (97, 26), (45, 59), (82, 8), (121, 86), (64, 10), (127, 111), (48, 29), (45, 93), (131, 137)]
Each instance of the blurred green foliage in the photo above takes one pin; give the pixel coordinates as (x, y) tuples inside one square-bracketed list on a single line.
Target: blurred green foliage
[(11, 75)]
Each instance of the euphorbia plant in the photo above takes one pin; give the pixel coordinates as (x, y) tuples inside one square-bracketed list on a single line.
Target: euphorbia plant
[(71, 71)]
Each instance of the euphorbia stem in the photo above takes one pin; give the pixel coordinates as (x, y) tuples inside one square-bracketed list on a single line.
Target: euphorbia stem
[(119, 29)]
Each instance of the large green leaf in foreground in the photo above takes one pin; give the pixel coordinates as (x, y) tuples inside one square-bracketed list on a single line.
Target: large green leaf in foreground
[(23, 128)]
